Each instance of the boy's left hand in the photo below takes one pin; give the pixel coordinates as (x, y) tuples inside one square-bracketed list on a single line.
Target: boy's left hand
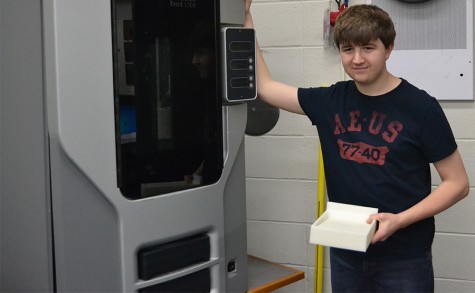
[(388, 224)]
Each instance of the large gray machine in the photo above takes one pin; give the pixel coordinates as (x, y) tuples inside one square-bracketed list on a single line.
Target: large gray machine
[(121, 145)]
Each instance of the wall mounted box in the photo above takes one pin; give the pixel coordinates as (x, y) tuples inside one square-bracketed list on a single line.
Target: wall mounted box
[(344, 226), (434, 46)]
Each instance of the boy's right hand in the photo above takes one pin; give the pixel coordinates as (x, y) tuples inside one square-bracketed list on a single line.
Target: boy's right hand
[(276, 94), (248, 5)]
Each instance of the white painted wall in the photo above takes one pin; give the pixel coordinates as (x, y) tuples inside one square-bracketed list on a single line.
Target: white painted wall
[(281, 166)]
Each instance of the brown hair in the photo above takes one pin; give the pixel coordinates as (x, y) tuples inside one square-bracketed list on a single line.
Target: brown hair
[(361, 24)]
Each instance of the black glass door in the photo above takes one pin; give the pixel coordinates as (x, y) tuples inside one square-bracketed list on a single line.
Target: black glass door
[(168, 111)]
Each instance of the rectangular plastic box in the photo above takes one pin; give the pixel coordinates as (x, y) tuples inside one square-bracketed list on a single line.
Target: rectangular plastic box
[(344, 226)]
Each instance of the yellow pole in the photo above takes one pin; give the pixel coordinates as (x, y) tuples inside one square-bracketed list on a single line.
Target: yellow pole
[(318, 284)]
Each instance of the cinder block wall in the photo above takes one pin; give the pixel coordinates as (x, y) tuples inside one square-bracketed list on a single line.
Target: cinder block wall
[(282, 169)]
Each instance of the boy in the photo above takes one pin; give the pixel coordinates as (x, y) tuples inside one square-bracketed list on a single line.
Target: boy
[(378, 135)]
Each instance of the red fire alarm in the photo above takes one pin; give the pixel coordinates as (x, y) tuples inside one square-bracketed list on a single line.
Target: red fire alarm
[(335, 14)]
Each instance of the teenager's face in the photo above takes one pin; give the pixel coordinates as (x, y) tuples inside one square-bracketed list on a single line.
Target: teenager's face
[(366, 64)]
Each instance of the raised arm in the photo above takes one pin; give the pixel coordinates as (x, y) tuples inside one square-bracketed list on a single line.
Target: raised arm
[(274, 93)]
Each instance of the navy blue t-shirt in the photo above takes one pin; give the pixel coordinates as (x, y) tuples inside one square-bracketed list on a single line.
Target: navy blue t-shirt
[(377, 151)]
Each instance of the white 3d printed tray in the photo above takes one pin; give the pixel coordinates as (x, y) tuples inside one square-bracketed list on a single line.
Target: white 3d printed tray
[(344, 226)]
